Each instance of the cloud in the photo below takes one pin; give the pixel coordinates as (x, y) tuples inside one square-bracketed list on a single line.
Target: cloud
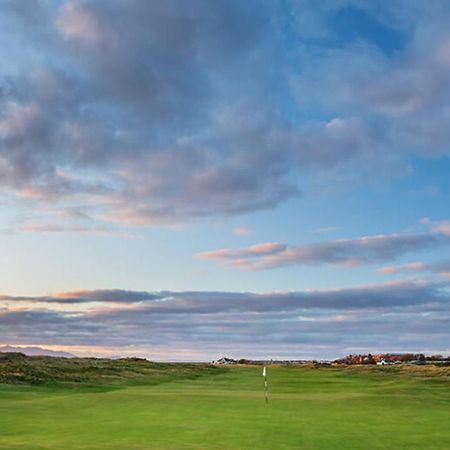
[(411, 94), (87, 296), (241, 231), (325, 230), (106, 295), (401, 316), (442, 227), (121, 126), (343, 252), (409, 267), (56, 228), (440, 267), (159, 112)]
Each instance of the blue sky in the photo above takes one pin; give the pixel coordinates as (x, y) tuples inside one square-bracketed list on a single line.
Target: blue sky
[(170, 165)]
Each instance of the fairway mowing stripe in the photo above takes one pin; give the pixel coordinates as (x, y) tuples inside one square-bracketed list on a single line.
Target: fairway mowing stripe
[(256, 394)]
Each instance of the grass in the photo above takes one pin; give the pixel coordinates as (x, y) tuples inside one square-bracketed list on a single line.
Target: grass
[(95, 373), (199, 407)]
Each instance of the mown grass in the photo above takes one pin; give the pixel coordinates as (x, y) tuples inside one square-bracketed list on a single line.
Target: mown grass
[(202, 407)]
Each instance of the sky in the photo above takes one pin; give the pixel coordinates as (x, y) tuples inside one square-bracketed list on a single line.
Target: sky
[(190, 179)]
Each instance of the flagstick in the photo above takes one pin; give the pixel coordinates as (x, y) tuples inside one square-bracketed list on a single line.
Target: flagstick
[(266, 389)]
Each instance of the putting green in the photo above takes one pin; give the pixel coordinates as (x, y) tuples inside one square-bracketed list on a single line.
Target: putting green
[(308, 409)]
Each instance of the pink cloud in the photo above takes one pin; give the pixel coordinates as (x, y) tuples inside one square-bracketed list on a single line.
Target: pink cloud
[(267, 248), (75, 22), (243, 258), (443, 227), (241, 231), (410, 267), (343, 252)]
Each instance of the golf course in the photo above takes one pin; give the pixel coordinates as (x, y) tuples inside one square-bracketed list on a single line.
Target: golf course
[(141, 405)]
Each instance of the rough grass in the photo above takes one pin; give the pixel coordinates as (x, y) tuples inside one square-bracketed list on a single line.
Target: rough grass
[(203, 407), (16, 368)]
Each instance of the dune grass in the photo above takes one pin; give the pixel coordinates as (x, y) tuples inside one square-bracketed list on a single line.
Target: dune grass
[(199, 407)]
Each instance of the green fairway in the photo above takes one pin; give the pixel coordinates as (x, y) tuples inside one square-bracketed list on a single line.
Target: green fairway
[(309, 408)]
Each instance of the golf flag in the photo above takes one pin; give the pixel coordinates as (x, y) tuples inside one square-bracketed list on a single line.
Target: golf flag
[(266, 388)]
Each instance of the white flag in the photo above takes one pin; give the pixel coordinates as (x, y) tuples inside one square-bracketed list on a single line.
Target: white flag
[(264, 372)]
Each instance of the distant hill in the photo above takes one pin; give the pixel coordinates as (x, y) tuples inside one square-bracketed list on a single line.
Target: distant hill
[(35, 351)]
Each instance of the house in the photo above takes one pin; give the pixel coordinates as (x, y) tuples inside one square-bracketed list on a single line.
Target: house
[(225, 361), (383, 362)]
